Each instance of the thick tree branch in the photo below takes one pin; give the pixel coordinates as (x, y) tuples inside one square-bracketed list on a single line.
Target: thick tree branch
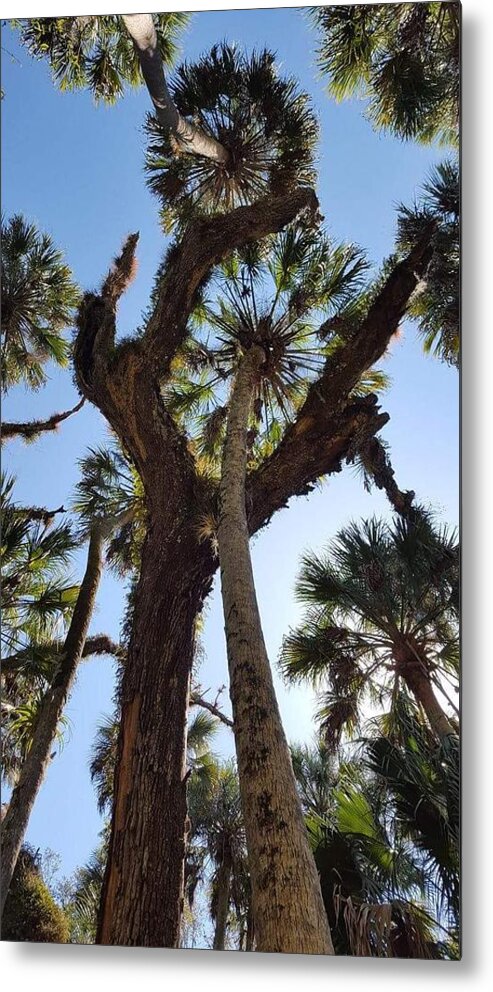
[(330, 427), (377, 463), (29, 431), (205, 243), (188, 137)]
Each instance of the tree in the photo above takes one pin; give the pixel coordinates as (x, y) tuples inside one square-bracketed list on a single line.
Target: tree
[(379, 892), (403, 57), (127, 382), (38, 301), (31, 913), (23, 612), (382, 611)]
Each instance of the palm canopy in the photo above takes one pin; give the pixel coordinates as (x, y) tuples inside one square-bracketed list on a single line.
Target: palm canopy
[(96, 52), (275, 295), (38, 301), (379, 891), (403, 57), (436, 303), (262, 120), (382, 608)]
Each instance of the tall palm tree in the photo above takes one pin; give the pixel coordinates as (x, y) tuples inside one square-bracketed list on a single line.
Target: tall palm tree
[(261, 334), (404, 56), (44, 726), (382, 612)]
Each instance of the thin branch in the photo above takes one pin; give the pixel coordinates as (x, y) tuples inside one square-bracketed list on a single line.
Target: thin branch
[(197, 700), (30, 430), (98, 644)]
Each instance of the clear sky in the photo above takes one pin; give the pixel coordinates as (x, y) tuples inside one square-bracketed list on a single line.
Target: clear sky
[(77, 171)]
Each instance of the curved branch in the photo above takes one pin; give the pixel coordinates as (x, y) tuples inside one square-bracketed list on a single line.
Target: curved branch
[(30, 430), (98, 644), (204, 244)]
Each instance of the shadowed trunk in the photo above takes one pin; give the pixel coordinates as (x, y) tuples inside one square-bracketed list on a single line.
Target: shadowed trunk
[(414, 671), (142, 897), (34, 769), (288, 909), (222, 900)]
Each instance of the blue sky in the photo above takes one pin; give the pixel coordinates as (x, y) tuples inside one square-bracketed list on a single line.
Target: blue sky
[(77, 171)]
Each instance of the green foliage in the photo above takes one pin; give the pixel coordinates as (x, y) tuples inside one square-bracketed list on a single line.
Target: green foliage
[(96, 53), (263, 120), (403, 57), (31, 913), (436, 303), (377, 588), (273, 294), (38, 301)]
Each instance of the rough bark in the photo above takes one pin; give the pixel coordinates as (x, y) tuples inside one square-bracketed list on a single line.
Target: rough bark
[(412, 667), (145, 865), (35, 766), (189, 138), (143, 888), (31, 429), (222, 900), (287, 901)]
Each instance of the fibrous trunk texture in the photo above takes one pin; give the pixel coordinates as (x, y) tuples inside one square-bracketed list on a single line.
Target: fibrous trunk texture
[(288, 908), (411, 665), (34, 769), (142, 897)]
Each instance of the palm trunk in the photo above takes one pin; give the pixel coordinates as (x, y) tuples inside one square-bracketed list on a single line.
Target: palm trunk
[(223, 890), (142, 898), (413, 669), (34, 768), (143, 33), (288, 908)]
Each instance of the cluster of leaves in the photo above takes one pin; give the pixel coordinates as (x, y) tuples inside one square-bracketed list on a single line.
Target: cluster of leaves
[(263, 121), (96, 52), (38, 301), (403, 57), (31, 913)]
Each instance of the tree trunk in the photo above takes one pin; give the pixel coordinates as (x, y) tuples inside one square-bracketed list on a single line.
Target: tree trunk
[(34, 768), (413, 669), (288, 908), (190, 138), (223, 888), (142, 898)]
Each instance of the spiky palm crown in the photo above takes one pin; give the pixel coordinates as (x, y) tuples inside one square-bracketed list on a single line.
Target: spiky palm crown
[(377, 587), (38, 302), (436, 304), (274, 295), (264, 122), (404, 57), (96, 53)]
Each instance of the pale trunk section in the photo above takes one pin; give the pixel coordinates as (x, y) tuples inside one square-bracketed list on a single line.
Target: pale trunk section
[(34, 769), (288, 908)]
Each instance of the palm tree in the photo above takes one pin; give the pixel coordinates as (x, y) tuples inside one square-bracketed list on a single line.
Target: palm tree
[(382, 612), (379, 891), (38, 301), (97, 53), (261, 119), (266, 341), (43, 728), (404, 57), (436, 303), (217, 835)]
